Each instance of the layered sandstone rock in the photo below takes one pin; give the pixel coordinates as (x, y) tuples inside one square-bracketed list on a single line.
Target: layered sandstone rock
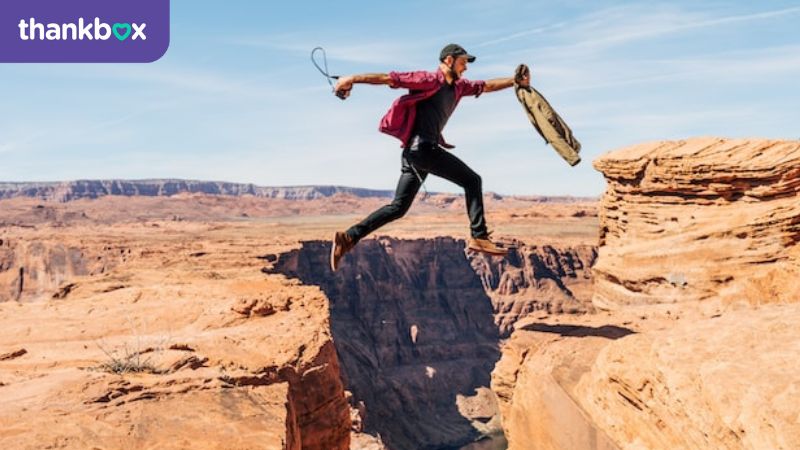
[(697, 219), (32, 268), (722, 382), (186, 344), (536, 377), (537, 279), (727, 381), (697, 266)]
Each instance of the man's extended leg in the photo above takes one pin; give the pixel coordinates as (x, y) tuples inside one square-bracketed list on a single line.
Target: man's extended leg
[(407, 188)]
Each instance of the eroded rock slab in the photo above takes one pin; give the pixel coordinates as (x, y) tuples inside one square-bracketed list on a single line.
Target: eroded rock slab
[(703, 218), (697, 273), (187, 344)]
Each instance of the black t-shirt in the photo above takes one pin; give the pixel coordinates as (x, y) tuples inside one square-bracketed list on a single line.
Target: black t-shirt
[(433, 112)]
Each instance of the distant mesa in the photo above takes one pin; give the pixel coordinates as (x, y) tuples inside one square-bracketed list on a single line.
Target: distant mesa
[(64, 191)]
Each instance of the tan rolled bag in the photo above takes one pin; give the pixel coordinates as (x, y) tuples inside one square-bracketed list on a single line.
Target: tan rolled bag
[(547, 121)]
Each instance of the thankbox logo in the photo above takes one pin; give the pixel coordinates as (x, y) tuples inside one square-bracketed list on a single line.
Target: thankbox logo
[(31, 30), (83, 30)]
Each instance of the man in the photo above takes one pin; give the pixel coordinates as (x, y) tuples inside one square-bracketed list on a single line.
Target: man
[(417, 120)]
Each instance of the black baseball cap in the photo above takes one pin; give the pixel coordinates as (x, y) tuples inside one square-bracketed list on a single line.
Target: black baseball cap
[(455, 50)]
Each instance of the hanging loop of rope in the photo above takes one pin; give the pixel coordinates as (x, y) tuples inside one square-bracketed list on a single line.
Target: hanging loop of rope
[(326, 73)]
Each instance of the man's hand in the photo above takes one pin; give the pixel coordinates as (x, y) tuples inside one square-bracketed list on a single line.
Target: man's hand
[(343, 87), (522, 76)]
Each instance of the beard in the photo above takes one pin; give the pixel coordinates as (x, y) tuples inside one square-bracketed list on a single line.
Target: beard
[(453, 74)]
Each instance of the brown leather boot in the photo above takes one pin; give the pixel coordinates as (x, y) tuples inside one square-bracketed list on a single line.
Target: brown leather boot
[(484, 245), (342, 243)]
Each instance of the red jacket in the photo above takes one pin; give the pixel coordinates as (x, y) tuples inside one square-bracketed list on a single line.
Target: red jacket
[(399, 120)]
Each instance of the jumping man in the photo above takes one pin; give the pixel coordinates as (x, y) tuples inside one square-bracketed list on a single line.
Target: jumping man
[(417, 119)]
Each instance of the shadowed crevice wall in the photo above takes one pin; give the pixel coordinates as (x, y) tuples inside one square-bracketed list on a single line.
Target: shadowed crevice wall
[(414, 330)]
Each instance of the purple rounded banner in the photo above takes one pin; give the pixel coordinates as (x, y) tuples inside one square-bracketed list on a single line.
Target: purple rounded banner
[(88, 31)]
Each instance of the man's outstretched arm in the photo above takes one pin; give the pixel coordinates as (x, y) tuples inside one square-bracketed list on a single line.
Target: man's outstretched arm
[(345, 83), (498, 84), (366, 78)]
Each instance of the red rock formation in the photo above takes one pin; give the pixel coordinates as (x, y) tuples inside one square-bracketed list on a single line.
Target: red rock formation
[(721, 382), (698, 264), (187, 344), (695, 382), (30, 269), (535, 380), (703, 218), (537, 279)]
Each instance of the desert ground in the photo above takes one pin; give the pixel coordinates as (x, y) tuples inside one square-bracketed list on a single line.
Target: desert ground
[(137, 316)]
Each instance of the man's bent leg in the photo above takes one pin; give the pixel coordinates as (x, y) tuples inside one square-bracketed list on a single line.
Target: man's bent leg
[(407, 188)]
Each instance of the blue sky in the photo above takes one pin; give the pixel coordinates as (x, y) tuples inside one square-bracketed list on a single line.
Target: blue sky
[(237, 99)]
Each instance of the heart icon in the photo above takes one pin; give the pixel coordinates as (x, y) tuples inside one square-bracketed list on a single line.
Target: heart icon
[(121, 30)]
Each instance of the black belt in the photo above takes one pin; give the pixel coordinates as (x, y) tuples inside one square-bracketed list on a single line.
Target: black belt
[(420, 143)]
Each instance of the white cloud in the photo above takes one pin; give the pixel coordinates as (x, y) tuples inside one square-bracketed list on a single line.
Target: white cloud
[(626, 24)]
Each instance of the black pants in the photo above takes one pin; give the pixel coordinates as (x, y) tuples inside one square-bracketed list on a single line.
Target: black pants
[(427, 158)]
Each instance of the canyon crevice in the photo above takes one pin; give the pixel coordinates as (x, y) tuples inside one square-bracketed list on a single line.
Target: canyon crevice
[(418, 327)]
